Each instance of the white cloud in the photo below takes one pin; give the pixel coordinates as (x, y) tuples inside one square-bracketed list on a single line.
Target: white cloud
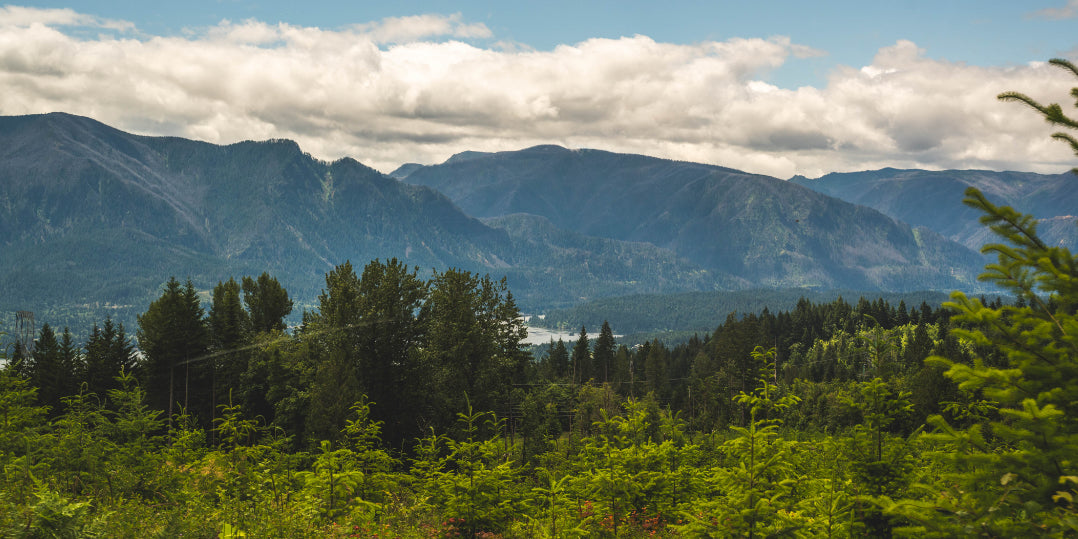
[(417, 27), (24, 16), (392, 92), (1068, 11)]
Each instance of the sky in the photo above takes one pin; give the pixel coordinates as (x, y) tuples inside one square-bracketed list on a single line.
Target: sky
[(773, 87)]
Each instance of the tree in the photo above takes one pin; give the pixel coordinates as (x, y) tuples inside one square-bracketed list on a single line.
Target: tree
[(229, 332), (388, 339), (46, 371), (331, 336), (1010, 466), (267, 303), (172, 334), (603, 356), (473, 345), (558, 359), (581, 360), (108, 353)]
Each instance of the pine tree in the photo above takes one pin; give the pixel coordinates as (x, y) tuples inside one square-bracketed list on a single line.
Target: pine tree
[(1013, 468), (559, 359), (603, 356), (46, 371), (172, 334), (581, 360), (108, 353)]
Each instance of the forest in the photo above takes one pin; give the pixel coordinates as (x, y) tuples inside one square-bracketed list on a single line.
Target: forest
[(408, 407)]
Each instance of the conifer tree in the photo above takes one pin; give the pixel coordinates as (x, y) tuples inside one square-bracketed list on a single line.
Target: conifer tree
[(172, 334), (46, 371), (603, 356), (581, 359), (559, 359), (1012, 469), (71, 363), (108, 353), (388, 340)]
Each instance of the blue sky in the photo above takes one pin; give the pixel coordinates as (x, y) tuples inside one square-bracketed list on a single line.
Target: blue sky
[(778, 87)]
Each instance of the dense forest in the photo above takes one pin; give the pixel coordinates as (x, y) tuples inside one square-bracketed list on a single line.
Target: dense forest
[(408, 407)]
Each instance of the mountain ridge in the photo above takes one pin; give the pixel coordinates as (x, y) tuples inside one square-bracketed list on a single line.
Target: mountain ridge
[(762, 229), (933, 198), (90, 215)]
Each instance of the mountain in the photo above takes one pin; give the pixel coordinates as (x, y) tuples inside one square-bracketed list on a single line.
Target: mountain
[(760, 231), (93, 220), (933, 199)]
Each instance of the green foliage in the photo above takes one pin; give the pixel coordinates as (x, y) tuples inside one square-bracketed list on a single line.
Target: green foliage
[(1009, 464), (267, 303), (173, 336)]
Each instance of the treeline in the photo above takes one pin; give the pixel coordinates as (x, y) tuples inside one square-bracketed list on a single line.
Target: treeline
[(421, 350), (417, 348), (821, 348), (702, 311)]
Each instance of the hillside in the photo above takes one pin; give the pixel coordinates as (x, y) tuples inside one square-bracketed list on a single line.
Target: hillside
[(759, 230), (93, 220), (932, 199)]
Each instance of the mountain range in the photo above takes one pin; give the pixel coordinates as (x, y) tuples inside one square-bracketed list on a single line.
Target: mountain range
[(758, 230), (926, 198), (93, 220)]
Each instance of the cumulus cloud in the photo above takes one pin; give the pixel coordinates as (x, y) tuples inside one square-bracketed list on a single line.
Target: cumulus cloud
[(1068, 11), (418, 89)]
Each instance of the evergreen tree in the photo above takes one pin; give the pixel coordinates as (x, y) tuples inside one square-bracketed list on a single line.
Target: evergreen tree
[(172, 334), (71, 363), (108, 353), (46, 370), (581, 359), (389, 338), (229, 332), (559, 359), (1013, 468), (656, 366), (603, 356), (330, 335), (20, 363), (473, 345)]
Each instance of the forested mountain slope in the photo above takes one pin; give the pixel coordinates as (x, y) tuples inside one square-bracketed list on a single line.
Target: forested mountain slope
[(92, 216), (930, 199), (761, 230)]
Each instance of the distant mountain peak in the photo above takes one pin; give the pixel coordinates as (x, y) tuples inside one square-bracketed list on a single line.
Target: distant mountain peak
[(465, 156)]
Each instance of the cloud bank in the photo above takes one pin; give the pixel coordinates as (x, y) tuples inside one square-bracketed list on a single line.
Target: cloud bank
[(418, 89)]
